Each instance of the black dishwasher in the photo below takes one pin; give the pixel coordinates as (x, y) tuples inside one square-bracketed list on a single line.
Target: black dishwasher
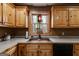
[(62, 49)]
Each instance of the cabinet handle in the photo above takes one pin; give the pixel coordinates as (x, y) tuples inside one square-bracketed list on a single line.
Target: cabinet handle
[(24, 13), (32, 54), (74, 52), (9, 14), (70, 16), (40, 51)]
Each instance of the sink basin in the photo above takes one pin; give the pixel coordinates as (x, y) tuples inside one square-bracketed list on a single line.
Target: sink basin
[(37, 39)]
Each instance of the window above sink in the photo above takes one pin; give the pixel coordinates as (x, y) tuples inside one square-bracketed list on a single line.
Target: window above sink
[(42, 25)]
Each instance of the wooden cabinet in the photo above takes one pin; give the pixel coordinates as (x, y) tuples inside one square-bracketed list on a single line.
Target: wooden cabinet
[(15, 16), (76, 49), (11, 51), (60, 16), (43, 49), (1, 13), (21, 16), (8, 14), (64, 17), (46, 50), (74, 16), (32, 49), (11, 15), (22, 49)]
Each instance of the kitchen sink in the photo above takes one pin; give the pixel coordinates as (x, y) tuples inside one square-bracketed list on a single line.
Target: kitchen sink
[(37, 39)]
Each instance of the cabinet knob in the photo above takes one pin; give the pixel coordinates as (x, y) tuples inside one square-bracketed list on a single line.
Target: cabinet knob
[(57, 17), (9, 14), (70, 16)]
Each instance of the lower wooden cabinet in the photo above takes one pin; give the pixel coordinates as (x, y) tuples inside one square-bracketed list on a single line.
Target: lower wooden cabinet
[(11, 51), (30, 49), (21, 49), (43, 49), (76, 49), (46, 49), (37, 49)]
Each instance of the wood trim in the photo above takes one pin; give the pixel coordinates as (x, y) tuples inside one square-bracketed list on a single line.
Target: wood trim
[(30, 21)]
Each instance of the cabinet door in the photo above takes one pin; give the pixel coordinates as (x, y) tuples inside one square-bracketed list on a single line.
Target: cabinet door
[(11, 15), (20, 16), (32, 50), (46, 50), (8, 14), (60, 17), (76, 49), (11, 51), (76, 53), (22, 50), (0, 13), (74, 17)]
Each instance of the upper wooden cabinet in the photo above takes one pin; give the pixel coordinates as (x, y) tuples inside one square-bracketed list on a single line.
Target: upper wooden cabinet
[(0, 13), (64, 17), (21, 16), (74, 16), (59, 16), (8, 14)]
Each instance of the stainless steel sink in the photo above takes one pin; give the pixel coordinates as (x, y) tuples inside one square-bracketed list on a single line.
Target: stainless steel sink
[(37, 39)]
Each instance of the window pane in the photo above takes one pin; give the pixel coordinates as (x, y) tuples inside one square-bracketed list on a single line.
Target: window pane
[(35, 26), (35, 19), (44, 19), (34, 29), (44, 28)]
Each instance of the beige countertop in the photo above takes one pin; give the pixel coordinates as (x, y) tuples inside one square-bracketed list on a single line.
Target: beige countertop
[(7, 44)]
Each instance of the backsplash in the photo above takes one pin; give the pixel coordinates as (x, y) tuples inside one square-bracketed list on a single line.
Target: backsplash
[(19, 32), (65, 32), (53, 32), (4, 32)]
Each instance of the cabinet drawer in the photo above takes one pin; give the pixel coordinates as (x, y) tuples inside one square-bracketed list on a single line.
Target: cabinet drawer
[(32, 52), (45, 46), (32, 46), (76, 46), (46, 53)]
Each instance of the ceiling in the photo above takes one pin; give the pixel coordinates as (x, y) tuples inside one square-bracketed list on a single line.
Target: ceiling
[(45, 4), (34, 4)]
